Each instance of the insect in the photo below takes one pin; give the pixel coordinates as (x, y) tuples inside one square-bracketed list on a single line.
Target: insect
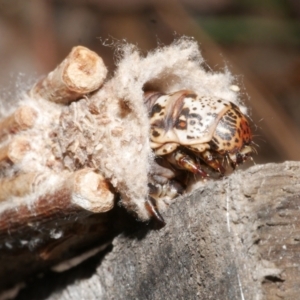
[(194, 134), (75, 146)]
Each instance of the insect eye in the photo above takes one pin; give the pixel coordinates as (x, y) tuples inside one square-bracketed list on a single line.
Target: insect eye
[(181, 124)]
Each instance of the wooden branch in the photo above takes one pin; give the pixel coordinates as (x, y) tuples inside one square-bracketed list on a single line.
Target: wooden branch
[(232, 239), (82, 72)]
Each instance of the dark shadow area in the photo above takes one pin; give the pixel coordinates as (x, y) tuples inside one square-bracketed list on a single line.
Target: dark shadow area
[(41, 285)]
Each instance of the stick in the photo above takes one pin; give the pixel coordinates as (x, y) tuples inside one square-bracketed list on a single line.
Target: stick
[(91, 191), (23, 118), (83, 189), (82, 72), (18, 186), (15, 150)]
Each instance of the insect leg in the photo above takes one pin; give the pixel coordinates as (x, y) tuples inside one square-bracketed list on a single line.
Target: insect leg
[(241, 156), (184, 161), (211, 161), (166, 191), (161, 171), (166, 148), (151, 207)]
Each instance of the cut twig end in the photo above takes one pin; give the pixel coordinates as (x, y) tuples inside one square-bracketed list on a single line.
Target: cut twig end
[(18, 148), (81, 72), (15, 150), (23, 118), (85, 71), (91, 191)]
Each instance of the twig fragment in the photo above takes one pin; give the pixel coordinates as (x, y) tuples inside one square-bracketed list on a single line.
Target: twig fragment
[(23, 118), (19, 186), (91, 191), (15, 150), (82, 72)]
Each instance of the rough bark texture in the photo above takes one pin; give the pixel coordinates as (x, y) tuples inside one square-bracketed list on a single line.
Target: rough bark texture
[(237, 238)]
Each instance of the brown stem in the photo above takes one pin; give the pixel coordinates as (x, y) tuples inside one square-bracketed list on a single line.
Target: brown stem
[(18, 186)]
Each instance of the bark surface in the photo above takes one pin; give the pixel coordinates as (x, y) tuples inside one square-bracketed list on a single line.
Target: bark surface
[(237, 238)]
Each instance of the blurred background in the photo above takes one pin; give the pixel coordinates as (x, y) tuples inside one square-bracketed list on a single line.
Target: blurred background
[(259, 41)]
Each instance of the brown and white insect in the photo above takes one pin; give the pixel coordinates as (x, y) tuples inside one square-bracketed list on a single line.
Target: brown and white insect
[(191, 133)]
